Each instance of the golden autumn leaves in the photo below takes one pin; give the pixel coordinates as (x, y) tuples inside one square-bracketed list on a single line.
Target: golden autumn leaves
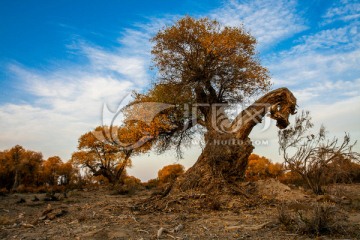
[(26, 170), (199, 52)]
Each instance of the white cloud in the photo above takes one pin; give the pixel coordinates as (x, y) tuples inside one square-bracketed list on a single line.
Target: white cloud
[(322, 66), (314, 67), (344, 10), (334, 39), (128, 67), (136, 40), (269, 21), (68, 102), (40, 129)]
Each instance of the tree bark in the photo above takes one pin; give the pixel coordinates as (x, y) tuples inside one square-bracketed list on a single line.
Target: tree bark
[(221, 164), (16, 181)]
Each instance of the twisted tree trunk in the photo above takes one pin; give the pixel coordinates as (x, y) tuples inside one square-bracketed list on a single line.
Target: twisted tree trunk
[(224, 159)]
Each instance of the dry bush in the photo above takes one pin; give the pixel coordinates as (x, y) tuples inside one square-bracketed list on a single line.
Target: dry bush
[(169, 173), (41, 189), (151, 184), (343, 170), (131, 185), (312, 154), (292, 178), (318, 219)]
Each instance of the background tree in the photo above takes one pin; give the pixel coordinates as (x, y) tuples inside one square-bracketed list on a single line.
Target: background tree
[(15, 156), (262, 168), (6, 172), (20, 166), (151, 183), (56, 172), (169, 173), (101, 156), (66, 172), (203, 68), (343, 170), (131, 184), (30, 168), (310, 155), (51, 169), (25, 170)]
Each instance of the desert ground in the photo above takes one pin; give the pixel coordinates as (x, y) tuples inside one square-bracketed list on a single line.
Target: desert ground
[(102, 214)]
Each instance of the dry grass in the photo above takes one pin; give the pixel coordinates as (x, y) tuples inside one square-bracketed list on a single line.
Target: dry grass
[(355, 204), (213, 204), (6, 220), (319, 219)]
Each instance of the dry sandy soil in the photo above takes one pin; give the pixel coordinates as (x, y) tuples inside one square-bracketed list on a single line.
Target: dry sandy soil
[(98, 214)]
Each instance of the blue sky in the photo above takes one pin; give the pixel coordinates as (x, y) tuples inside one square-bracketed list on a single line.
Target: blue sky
[(61, 61)]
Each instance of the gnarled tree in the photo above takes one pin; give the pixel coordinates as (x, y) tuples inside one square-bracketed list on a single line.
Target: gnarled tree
[(203, 68)]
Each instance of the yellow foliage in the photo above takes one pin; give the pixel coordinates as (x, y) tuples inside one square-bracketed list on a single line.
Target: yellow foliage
[(262, 168), (170, 173)]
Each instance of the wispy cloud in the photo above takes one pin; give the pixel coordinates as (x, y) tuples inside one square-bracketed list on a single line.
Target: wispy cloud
[(333, 40), (131, 68), (135, 41), (269, 21), (343, 10), (66, 102), (323, 65), (315, 67)]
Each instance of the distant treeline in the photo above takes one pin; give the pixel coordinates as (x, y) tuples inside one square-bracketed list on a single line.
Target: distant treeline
[(24, 170)]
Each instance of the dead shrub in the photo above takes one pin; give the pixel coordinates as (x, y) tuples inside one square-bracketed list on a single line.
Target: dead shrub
[(124, 190), (39, 189), (319, 219), (285, 217), (130, 186), (315, 157), (151, 184)]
